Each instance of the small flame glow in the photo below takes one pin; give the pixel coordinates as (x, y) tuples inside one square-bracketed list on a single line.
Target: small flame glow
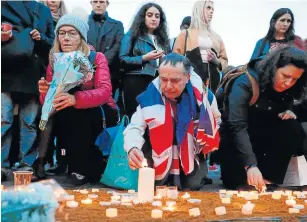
[(144, 163)]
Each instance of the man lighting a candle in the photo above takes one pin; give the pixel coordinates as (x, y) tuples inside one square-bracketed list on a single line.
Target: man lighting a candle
[(174, 126)]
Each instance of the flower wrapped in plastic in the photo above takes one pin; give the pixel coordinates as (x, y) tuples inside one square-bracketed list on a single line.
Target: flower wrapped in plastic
[(70, 69)]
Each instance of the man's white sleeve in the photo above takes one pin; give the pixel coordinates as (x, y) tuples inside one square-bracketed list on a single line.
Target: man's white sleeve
[(133, 134)]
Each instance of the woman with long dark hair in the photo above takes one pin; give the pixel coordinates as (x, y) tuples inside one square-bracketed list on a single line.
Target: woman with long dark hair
[(258, 141), (141, 50), (281, 32), (202, 45)]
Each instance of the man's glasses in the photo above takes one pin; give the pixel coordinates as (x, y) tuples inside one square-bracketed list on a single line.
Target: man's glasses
[(71, 34)]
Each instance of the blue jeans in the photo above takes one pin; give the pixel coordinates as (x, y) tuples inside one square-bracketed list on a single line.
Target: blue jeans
[(27, 114)]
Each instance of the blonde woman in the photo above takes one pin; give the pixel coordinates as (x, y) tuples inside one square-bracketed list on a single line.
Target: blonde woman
[(57, 8), (203, 46)]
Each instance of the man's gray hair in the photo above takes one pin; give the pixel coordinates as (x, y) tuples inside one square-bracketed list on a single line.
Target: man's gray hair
[(173, 59)]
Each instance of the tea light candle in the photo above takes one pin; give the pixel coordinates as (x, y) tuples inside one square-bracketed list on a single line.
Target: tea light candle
[(146, 183), (92, 196), (156, 214), (161, 190), (276, 196), (103, 203), (125, 200), (135, 202), (301, 196), (194, 201), (186, 196), (115, 202), (219, 211), (296, 193), (111, 212), (290, 202), (76, 191), (69, 197), (87, 201), (247, 208), (194, 212), (251, 196), (95, 190), (299, 206), (288, 192), (131, 191), (231, 192), (83, 191), (241, 195), (158, 197), (115, 197), (226, 200), (294, 211), (157, 203), (170, 203), (72, 204), (126, 204), (172, 193), (222, 191), (110, 192)]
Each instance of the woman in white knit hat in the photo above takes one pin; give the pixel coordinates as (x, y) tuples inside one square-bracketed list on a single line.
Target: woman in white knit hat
[(78, 120)]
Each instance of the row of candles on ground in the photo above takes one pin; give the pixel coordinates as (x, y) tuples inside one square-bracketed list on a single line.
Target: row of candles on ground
[(247, 208), (125, 199)]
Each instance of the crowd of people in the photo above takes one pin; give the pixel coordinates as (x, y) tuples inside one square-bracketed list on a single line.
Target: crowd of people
[(167, 88)]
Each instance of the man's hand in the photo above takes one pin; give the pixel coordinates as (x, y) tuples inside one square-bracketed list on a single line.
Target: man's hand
[(155, 54), (6, 35), (43, 86), (254, 178), (35, 35), (136, 158), (287, 115), (63, 100)]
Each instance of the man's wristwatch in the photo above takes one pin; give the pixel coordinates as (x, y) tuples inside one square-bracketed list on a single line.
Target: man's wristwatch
[(250, 166)]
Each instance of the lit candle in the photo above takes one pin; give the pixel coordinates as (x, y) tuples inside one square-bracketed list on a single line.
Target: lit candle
[(131, 191), (290, 202), (103, 203), (115, 202), (146, 183), (251, 196), (296, 193), (219, 211), (115, 197), (247, 208), (299, 206), (170, 203), (172, 192), (110, 192), (301, 196), (170, 207), (231, 192), (186, 196), (86, 201), (76, 191), (194, 212), (83, 191), (158, 197), (69, 197), (276, 196), (126, 204), (240, 194), (194, 201), (223, 191), (92, 196), (161, 190), (72, 204), (157, 203), (111, 212), (125, 200), (95, 190), (156, 214), (288, 192), (226, 200), (294, 211)]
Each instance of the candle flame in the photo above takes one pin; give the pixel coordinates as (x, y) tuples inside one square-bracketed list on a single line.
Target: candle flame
[(144, 163)]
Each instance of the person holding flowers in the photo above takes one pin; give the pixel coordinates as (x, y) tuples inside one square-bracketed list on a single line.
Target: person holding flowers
[(78, 119)]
